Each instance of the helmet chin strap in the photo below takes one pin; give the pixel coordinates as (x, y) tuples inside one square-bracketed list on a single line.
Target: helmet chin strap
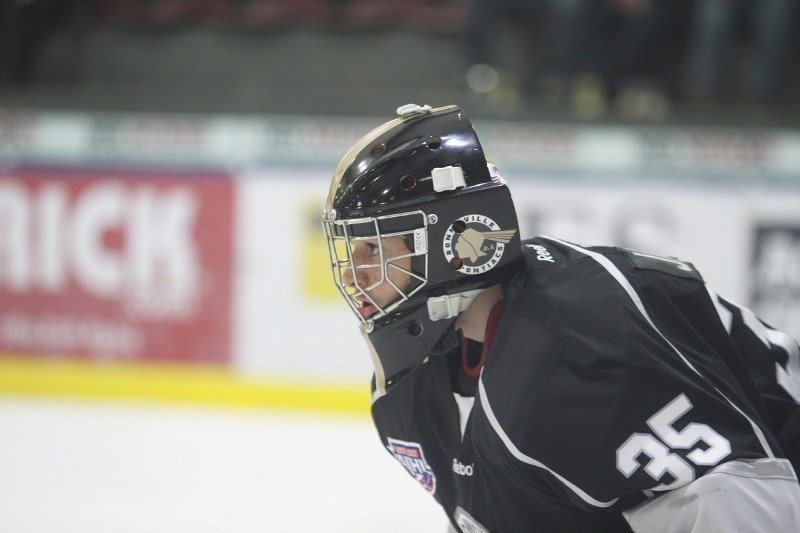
[(440, 308), (451, 305)]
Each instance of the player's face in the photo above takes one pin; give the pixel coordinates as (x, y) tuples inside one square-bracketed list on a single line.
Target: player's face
[(369, 278)]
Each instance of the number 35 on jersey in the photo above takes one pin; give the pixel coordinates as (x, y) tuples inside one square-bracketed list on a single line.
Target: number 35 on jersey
[(659, 446)]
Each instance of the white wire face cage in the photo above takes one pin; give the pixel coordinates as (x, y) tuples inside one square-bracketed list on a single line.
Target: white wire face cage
[(342, 237)]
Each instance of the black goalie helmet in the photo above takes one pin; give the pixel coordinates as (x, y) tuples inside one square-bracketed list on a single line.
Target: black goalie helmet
[(417, 223)]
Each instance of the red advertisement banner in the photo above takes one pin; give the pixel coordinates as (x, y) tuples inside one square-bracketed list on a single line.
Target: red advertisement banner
[(116, 265)]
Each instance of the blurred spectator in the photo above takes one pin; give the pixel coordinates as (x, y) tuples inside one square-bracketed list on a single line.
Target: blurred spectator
[(585, 52), (437, 16), (483, 23), (646, 55), (718, 63), (25, 27), (485, 34)]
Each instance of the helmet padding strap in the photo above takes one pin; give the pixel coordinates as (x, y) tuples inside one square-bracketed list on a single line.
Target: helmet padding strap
[(447, 178), (450, 305)]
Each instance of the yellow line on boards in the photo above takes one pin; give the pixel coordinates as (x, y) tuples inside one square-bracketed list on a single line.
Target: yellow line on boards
[(175, 383)]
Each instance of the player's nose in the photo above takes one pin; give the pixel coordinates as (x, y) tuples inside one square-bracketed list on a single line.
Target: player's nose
[(354, 276)]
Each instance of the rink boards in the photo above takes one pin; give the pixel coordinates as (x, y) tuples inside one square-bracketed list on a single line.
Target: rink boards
[(181, 258)]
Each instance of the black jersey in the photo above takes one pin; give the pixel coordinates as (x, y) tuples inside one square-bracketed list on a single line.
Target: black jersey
[(612, 376)]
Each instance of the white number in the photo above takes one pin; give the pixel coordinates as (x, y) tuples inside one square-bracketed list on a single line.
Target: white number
[(662, 460)]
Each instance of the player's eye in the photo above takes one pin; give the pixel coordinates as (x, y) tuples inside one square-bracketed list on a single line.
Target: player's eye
[(372, 248)]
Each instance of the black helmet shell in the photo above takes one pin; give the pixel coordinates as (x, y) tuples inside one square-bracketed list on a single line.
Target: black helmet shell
[(471, 230)]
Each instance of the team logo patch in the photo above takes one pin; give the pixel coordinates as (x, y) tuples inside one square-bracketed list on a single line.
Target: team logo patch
[(410, 455), (477, 241)]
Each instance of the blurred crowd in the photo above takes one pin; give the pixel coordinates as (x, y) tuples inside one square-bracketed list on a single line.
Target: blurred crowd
[(641, 55), (635, 56)]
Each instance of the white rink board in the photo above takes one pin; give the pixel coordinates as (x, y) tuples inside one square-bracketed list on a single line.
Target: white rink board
[(706, 226), (726, 199), (744, 239), (278, 331)]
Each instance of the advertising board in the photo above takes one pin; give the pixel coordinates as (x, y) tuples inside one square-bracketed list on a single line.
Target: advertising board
[(116, 265)]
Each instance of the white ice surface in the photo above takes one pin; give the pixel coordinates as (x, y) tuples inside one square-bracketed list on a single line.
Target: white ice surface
[(86, 467)]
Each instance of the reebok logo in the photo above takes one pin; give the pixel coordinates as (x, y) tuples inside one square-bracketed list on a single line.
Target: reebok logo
[(541, 253), (461, 469)]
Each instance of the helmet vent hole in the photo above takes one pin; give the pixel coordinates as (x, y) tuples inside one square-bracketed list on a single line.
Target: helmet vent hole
[(459, 226), (434, 143), (456, 263), (408, 182), (415, 329), (378, 149)]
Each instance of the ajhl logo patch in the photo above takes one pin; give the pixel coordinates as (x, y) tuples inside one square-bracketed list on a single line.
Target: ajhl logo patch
[(410, 455), (477, 241)]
